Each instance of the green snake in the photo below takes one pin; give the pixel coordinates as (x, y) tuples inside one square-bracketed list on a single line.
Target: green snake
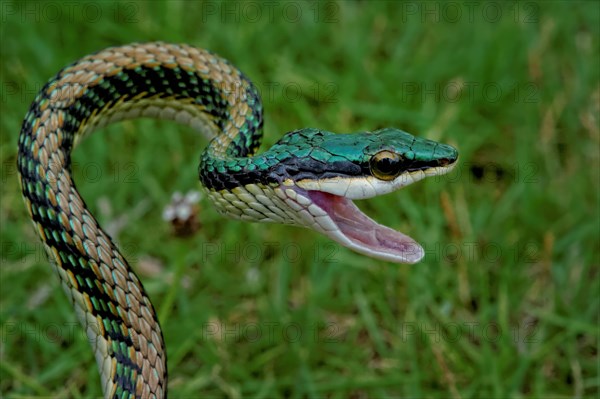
[(309, 178)]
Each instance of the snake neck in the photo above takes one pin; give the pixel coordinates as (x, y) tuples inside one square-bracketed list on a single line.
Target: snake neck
[(176, 82)]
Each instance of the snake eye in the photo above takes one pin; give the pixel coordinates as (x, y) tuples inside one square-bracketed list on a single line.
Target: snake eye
[(385, 165)]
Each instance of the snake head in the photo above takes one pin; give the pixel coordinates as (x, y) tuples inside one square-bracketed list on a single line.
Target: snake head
[(327, 171), (310, 178)]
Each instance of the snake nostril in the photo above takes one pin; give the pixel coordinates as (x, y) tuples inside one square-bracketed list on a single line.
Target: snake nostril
[(443, 162)]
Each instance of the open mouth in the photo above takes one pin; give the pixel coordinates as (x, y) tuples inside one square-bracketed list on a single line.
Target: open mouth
[(362, 234)]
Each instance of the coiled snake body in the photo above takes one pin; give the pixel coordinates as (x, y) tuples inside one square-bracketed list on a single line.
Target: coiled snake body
[(309, 178)]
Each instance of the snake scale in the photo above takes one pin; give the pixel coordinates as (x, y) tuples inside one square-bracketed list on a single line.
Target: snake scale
[(308, 178)]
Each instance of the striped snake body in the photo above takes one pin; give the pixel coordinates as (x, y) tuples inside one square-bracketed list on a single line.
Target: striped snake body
[(309, 178)]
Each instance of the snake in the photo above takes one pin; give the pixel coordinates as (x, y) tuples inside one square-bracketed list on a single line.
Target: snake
[(309, 178)]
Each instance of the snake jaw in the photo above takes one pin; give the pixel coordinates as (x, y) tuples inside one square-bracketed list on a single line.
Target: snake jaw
[(357, 231)]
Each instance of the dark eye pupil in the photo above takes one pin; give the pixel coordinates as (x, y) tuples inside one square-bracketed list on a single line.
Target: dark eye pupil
[(386, 165)]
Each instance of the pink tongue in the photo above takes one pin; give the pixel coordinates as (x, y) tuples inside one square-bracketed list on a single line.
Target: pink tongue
[(366, 235)]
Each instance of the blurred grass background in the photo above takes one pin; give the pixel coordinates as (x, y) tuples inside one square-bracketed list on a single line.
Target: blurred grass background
[(505, 303)]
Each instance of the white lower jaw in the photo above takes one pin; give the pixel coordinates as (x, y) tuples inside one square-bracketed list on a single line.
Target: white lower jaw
[(369, 186)]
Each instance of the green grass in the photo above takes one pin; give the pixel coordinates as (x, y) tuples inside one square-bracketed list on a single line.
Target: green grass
[(505, 304)]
